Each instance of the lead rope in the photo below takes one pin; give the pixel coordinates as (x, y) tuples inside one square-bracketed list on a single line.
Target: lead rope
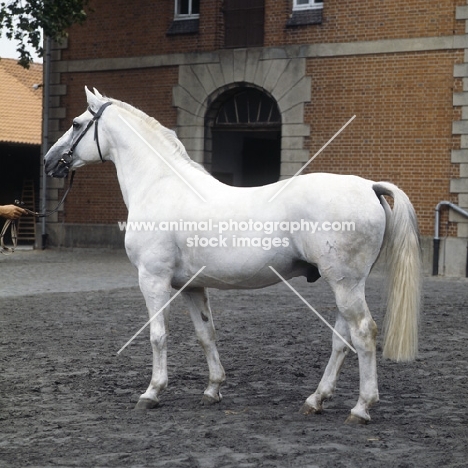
[(12, 224)]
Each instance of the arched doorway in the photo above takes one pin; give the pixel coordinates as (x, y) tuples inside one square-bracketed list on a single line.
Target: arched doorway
[(244, 127)]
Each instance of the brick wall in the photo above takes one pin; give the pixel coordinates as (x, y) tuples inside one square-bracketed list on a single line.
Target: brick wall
[(403, 101), (118, 28), (403, 129), (364, 20)]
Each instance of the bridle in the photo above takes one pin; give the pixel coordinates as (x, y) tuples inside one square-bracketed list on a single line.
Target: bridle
[(95, 120), (66, 160)]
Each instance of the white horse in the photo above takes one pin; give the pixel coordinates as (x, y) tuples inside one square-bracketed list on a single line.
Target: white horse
[(257, 234)]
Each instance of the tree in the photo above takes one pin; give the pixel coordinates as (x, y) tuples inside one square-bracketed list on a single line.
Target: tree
[(24, 21)]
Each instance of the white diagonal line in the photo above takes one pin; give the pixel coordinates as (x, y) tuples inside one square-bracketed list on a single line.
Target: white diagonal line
[(152, 148), (312, 158), (312, 309), (161, 309)]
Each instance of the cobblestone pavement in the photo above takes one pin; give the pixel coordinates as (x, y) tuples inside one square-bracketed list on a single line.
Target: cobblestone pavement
[(29, 272)]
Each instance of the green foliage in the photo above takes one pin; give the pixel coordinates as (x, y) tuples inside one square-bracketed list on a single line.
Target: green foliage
[(24, 21)]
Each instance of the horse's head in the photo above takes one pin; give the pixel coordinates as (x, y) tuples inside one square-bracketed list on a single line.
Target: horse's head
[(83, 143)]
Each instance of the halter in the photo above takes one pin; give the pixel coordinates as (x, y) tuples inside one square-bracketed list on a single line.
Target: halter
[(96, 116), (67, 163)]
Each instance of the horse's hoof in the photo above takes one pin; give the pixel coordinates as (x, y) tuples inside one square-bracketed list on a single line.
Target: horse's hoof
[(307, 409), (353, 419), (208, 400), (146, 403)]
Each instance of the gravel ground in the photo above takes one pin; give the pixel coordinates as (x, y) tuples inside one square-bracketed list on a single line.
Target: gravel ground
[(66, 397)]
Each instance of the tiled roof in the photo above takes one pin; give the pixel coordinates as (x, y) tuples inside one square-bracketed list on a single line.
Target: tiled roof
[(20, 103)]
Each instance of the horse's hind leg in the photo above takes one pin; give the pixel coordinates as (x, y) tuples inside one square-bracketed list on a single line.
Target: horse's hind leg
[(327, 385), (200, 312), (353, 308), (350, 298)]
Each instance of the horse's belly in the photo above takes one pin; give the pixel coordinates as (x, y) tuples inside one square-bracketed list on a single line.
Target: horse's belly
[(247, 269)]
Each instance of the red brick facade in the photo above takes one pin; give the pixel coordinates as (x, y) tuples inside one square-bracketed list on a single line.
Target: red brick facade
[(116, 28), (403, 129), (389, 63), (365, 20)]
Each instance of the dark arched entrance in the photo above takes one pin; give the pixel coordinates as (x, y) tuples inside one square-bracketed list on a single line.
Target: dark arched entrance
[(245, 128)]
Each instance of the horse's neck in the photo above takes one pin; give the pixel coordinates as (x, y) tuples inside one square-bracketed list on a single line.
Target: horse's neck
[(145, 163)]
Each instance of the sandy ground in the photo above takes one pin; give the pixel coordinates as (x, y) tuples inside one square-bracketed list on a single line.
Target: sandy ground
[(66, 397)]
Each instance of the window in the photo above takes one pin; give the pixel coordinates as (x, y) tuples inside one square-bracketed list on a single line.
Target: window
[(186, 18), (186, 9), (249, 108), (305, 13), (243, 23), (307, 4)]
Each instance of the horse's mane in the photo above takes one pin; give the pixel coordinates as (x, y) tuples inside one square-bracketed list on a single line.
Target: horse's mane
[(169, 135)]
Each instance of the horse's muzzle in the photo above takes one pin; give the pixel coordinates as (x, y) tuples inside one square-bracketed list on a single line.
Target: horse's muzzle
[(57, 168)]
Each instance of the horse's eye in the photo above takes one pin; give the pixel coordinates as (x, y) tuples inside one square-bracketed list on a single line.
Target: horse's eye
[(76, 125)]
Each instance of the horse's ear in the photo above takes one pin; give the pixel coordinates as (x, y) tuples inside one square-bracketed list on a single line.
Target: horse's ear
[(93, 101), (97, 93)]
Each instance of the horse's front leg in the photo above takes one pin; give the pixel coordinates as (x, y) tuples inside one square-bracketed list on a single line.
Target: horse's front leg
[(200, 312), (157, 293)]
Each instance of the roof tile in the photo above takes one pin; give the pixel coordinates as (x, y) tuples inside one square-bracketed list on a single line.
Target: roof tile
[(20, 103)]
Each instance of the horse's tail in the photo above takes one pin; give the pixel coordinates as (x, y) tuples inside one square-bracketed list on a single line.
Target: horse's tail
[(403, 256)]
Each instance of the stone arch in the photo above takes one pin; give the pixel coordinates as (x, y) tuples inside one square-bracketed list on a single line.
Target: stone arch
[(281, 77), (243, 136)]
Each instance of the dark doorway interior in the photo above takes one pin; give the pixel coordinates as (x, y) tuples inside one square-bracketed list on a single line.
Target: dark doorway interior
[(17, 164), (19, 180), (261, 160), (246, 138), (246, 159)]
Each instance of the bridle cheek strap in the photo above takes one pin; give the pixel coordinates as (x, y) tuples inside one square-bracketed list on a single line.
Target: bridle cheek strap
[(96, 117)]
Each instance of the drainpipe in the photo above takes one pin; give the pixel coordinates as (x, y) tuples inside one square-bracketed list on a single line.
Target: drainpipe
[(45, 135), (436, 243)]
